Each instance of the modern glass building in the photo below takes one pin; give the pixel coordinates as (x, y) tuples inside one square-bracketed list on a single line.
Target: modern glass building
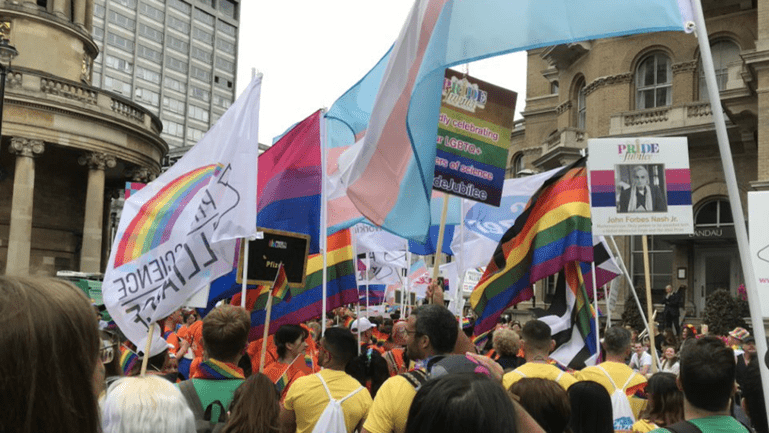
[(175, 57)]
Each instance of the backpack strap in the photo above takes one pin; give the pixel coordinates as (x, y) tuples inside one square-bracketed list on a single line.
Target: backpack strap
[(683, 427), (559, 377), (193, 400), (341, 400), (520, 373), (416, 378), (606, 373), (328, 392), (624, 387)]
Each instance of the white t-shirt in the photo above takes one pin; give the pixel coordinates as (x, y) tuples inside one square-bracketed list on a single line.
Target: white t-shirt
[(637, 364)]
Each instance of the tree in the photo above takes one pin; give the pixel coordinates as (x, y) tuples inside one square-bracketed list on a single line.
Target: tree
[(631, 316), (722, 312)]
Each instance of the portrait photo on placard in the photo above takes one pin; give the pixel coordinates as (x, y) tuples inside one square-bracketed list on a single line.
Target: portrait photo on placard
[(640, 188)]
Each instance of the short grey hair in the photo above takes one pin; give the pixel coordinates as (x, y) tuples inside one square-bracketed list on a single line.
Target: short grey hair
[(148, 404), (616, 340)]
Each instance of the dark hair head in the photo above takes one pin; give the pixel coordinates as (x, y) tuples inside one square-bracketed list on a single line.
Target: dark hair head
[(48, 358), (707, 373), (461, 403), (616, 341), (665, 405), (546, 402), (288, 334), (254, 407), (537, 335), (225, 332), (439, 325), (591, 408), (753, 396), (370, 369), (341, 343)]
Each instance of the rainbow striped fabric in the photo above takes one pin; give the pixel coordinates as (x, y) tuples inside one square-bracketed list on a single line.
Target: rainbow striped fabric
[(280, 289), (553, 230), (306, 303), (282, 382), (212, 369), (128, 360)]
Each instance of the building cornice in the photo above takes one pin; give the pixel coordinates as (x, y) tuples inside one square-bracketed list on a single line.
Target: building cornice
[(624, 78)]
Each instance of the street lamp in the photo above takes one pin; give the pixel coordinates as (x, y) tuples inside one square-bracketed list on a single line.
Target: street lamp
[(7, 53)]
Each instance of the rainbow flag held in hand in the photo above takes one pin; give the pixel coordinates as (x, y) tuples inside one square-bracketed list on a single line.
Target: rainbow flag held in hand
[(280, 289), (282, 382)]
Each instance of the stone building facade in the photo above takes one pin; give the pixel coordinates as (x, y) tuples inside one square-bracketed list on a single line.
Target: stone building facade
[(66, 145), (652, 85)]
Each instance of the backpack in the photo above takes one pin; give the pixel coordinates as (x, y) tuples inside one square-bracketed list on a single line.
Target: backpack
[(620, 405), (332, 418), (203, 422)]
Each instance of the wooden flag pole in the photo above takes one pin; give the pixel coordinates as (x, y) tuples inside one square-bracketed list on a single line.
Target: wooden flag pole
[(649, 306), (441, 232), (625, 272), (147, 346), (244, 286), (595, 303), (266, 332)]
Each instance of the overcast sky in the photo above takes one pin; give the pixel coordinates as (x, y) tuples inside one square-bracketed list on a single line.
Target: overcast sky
[(311, 52)]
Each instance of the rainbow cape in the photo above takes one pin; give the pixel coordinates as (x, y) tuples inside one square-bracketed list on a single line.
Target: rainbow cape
[(554, 229)]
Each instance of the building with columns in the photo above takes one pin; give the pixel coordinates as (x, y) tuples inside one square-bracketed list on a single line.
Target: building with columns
[(66, 145), (653, 85)]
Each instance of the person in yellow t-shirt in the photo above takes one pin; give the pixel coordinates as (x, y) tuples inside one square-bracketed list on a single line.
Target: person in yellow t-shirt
[(616, 343), (307, 398), (537, 344)]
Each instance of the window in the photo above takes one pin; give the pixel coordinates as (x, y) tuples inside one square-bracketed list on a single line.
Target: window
[(150, 12), (170, 83), (147, 96), (118, 64), (117, 86), (581, 105), (147, 75), (177, 44), (120, 42), (131, 4), (653, 82), (714, 214), (121, 20), (517, 165), (150, 54), (223, 82), (228, 8), (197, 113), (173, 105), (194, 134), (660, 265), (222, 101), (227, 29), (225, 65), (225, 46), (209, 3), (554, 88), (200, 94), (178, 24), (204, 17), (173, 128), (98, 33), (181, 6), (176, 64), (202, 35), (201, 54), (150, 32), (201, 74), (99, 11), (724, 53)]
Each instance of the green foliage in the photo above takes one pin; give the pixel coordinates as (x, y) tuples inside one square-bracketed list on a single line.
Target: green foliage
[(723, 312), (631, 316)]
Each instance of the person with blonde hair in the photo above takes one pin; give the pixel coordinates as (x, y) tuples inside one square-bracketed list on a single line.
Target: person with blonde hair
[(506, 343), (50, 368), (146, 404)]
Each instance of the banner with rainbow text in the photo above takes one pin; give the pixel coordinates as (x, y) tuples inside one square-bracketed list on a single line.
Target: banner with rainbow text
[(181, 231)]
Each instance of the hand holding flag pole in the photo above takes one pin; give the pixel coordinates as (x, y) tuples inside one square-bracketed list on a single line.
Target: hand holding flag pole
[(280, 291)]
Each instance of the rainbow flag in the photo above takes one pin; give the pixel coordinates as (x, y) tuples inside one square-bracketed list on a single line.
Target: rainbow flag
[(282, 382), (309, 362), (553, 230), (128, 360), (306, 303), (280, 289)]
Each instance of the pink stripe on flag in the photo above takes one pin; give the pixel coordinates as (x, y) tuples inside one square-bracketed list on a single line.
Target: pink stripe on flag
[(678, 175), (678, 187), (601, 177), (341, 210), (376, 190)]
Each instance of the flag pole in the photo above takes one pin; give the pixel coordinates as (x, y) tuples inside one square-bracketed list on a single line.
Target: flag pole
[(608, 310), (595, 303), (625, 272), (324, 218), (734, 195), (357, 318), (147, 347), (441, 232), (266, 332), (368, 266), (460, 290), (245, 273), (649, 305)]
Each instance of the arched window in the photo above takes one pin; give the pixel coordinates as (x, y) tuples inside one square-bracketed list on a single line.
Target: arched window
[(724, 52), (714, 214), (517, 164), (554, 88), (654, 80), (581, 105)]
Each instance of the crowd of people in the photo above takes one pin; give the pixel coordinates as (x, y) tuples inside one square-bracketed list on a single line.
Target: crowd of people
[(60, 373)]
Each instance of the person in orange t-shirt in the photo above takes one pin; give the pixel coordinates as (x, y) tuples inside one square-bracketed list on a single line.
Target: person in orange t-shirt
[(291, 345)]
